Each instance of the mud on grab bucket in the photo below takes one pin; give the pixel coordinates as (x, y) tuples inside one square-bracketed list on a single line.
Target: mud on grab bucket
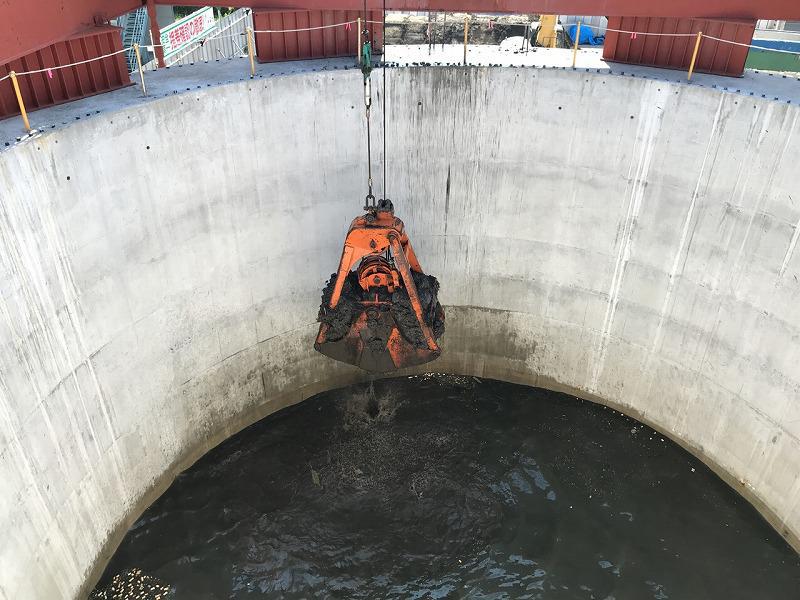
[(384, 315)]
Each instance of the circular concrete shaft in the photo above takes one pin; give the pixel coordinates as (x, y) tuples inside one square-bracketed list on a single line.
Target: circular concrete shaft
[(631, 241)]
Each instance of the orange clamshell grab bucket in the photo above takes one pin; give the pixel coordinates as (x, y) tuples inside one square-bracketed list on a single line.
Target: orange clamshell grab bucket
[(385, 315)]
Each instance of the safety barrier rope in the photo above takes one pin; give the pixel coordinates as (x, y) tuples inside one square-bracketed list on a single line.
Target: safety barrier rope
[(80, 62), (344, 23), (703, 35), (755, 47), (243, 34), (644, 32), (304, 28), (152, 47)]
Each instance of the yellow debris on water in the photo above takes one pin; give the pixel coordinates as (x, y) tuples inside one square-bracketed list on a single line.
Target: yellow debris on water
[(133, 584)]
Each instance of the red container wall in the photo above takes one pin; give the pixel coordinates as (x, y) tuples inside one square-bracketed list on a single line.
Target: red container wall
[(62, 85), (314, 43), (675, 52)]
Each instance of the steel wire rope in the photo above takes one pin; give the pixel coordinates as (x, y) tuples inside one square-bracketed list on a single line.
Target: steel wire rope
[(304, 28), (367, 102), (383, 92), (367, 97), (762, 48)]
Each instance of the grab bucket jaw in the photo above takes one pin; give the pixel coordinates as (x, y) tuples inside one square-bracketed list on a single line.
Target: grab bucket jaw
[(374, 343), (385, 315)]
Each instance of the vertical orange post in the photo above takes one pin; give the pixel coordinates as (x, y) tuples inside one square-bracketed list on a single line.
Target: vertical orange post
[(577, 41), (694, 54), (466, 33), (22, 110), (250, 52), (155, 33), (139, 65), (358, 50)]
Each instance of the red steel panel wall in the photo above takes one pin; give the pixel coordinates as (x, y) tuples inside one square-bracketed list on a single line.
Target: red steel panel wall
[(315, 43), (62, 85), (676, 52)]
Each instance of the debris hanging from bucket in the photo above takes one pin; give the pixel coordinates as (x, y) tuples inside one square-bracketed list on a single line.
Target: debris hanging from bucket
[(385, 315)]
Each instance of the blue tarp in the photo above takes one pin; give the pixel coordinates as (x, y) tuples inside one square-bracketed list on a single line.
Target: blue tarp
[(790, 45), (587, 35)]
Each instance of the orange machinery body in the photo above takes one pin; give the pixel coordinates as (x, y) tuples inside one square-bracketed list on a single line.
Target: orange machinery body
[(374, 342)]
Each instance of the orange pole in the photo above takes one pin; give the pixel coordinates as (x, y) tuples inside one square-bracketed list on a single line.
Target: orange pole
[(694, 54), (577, 40), (250, 52), (466, 33), (141, 71), (358, 50), (22, 110)]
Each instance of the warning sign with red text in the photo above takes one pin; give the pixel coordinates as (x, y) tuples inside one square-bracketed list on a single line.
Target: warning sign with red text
[(177, 35)]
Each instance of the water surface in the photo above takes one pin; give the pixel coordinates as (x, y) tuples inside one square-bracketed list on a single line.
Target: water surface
[(453, 487)]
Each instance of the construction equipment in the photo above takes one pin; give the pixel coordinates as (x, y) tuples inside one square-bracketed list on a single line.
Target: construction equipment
[(384, 315), (546, 35)]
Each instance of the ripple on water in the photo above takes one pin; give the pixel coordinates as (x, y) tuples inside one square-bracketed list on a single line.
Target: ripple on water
[(453, 487)]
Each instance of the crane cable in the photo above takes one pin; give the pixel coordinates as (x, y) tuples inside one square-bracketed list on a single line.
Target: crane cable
[(366, 68), (383, 94), (368, 102)]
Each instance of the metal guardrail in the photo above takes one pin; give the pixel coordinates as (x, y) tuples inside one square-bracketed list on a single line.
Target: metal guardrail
[(226, 40)]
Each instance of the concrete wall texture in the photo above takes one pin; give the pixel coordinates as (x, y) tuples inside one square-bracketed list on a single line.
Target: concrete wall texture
[(632, 241)]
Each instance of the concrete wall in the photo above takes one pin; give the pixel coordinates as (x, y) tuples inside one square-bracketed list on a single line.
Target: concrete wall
[(629, 240)]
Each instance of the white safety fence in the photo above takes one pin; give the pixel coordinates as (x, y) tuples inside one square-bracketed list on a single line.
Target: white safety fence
[(226, 40)]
